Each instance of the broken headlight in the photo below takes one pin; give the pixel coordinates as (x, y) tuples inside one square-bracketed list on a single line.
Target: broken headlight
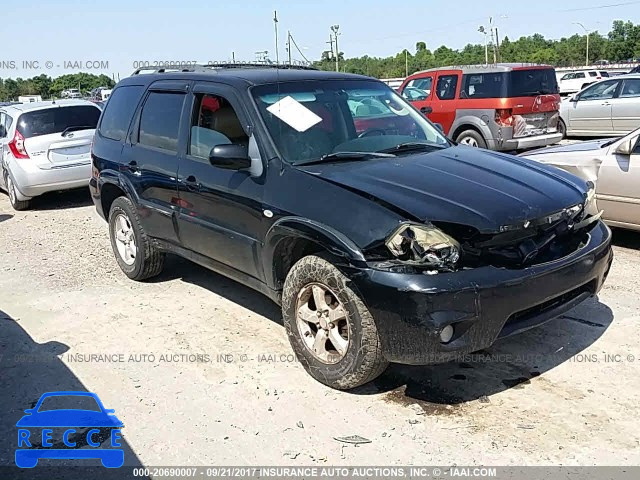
[(423, 245)]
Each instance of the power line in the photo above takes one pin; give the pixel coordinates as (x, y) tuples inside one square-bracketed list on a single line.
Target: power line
[(297, 48), (611, 5)]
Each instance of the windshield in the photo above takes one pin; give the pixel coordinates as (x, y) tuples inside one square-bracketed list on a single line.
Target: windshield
[(517, 83), (311, 119), (66, 402)]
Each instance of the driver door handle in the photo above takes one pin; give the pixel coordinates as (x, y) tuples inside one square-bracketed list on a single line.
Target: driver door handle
[(426, 110)]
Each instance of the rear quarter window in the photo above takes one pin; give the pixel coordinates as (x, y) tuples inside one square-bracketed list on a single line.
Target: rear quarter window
[(57, 119), (119, 111)]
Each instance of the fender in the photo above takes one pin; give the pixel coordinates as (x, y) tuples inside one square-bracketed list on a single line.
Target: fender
[(287, 227), (118, 179), (475, 121)]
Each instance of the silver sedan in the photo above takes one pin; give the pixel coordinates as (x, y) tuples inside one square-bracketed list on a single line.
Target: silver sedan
[(607, 108), (612, 165)]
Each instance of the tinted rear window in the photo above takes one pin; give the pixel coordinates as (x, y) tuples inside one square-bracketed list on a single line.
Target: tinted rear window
[(57, 120), (119, 110), (160, 120), (517, 83)]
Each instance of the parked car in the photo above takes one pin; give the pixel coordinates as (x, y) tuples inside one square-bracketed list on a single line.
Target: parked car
[(575, 81), (606, 108), (29, 98), (380, 238), (500, 107), (71, 93), (44, 146), (612, 165)]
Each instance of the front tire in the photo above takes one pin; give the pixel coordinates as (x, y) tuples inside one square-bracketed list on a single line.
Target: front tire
[(137, 255), (13, 196), (330, 329), (471, 138)]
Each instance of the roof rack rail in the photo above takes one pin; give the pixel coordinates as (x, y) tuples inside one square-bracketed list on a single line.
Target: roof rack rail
[(216, 66)]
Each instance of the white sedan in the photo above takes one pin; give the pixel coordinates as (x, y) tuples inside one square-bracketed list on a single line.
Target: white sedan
[(612, 165), (608, 108)]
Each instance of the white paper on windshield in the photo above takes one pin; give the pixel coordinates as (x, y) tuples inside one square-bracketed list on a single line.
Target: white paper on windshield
[(294, 114)]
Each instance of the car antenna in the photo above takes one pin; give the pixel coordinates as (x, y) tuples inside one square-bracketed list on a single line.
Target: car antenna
[(275, 26)]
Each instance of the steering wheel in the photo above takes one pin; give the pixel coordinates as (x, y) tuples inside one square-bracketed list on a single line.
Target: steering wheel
[(371, 131)]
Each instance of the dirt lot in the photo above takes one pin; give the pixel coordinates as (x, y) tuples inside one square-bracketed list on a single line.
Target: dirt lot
[(566, 393)]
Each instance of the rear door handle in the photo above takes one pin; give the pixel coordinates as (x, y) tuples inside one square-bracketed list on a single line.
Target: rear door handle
[(426, 110), (131, 167), (191, 183)]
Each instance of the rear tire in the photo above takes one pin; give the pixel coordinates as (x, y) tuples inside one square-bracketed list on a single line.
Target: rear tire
[(137, 255), (471, 138), (13, 195), (562, 128), (348, 353)]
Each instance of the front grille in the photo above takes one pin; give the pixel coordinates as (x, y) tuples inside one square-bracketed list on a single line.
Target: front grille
[(529, 316)]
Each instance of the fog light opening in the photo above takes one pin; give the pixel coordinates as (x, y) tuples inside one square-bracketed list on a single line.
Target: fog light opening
[(446, 334)]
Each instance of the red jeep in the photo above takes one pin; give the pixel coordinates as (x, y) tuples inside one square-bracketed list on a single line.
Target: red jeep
[(501, 107)]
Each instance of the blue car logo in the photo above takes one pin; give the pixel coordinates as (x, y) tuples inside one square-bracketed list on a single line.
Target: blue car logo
[(73, 423)]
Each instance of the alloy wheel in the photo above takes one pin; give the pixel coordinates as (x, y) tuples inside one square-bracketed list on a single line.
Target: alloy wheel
[(125, 239), (322, 322), (470, 141)]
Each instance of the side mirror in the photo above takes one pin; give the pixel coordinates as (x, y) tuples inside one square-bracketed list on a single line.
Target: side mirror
[(439, 127), (627, 147), (230, 157), (574, 98)]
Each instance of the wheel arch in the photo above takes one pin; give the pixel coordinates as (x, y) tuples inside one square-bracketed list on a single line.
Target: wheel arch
[(292, 238), (113, 185)]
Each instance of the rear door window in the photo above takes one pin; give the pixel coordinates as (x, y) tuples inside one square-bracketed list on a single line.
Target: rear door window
[(57, 120), (631, 88), (119, 112), (593, 74), (160, 120), (446, 87)]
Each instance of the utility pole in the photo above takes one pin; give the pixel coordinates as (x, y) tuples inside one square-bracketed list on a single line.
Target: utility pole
[(330, 42), (497, 45), (406, 62), (233, 57), (483, 31), (289, 45), (335, 29), (275, 27), (493, 45), (587, 32)]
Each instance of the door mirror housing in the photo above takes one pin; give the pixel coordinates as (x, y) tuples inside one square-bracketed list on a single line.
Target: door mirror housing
[(627, 146), (230, 157), (574, 98)]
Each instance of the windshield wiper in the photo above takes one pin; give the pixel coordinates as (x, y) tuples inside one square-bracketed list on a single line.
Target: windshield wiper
[(412, 147), (76, 128), (346, 157)]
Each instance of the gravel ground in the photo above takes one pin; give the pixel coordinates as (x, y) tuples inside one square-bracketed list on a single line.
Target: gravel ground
[(565, 393)]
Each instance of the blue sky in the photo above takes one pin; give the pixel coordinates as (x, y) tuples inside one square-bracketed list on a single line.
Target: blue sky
[(123, 32)]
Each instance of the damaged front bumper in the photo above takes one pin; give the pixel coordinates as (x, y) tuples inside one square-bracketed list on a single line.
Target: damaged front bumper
[(481, 304)]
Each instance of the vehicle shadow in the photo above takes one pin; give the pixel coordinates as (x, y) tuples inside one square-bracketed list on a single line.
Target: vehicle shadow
[(509, 363), (626, 238), (27, 370), (79, 197), (187, 271), (4, 217)]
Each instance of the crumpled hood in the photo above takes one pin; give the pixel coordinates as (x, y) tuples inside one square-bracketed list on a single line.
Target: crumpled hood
[(460, 185)]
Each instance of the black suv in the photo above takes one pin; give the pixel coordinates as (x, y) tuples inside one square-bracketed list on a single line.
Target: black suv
[(382, 240)]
